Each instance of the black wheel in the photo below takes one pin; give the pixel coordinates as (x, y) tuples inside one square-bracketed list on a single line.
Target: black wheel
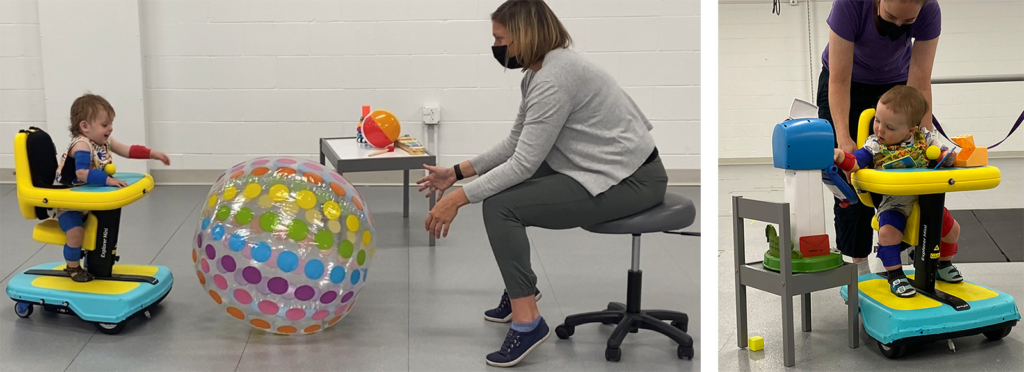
[(997, 334), (892, 352), (681, 325), (23, 309), (613, 355), (110, 328), (685, 352), (564, 332)]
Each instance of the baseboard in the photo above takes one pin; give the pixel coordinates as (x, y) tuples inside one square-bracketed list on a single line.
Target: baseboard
[(676, 177), (769, 160)]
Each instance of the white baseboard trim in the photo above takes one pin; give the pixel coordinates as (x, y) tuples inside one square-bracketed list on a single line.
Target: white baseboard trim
[(769, 160), (676, 177)]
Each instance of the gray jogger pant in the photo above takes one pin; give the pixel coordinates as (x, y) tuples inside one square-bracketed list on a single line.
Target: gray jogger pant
[(552, 200)]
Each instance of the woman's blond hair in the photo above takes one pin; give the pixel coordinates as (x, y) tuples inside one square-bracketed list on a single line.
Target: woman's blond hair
[(533, 27)]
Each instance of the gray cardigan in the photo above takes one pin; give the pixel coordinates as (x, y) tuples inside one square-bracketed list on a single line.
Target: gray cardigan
[(575, 117)]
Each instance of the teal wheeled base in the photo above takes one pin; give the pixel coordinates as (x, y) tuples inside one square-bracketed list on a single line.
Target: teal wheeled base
[(107, 302), (896, 323)]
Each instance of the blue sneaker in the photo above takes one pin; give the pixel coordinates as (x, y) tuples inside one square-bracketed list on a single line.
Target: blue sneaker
[(503, 313), (518, 345)]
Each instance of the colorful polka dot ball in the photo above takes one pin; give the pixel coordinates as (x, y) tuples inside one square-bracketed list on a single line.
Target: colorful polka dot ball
[(284, 245)]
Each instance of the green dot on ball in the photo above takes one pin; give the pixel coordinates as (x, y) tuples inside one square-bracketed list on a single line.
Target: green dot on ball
[(298, 230), (361, 257), (244, 216), (223, 213), (324, 239), (345, 249), (268, 221)]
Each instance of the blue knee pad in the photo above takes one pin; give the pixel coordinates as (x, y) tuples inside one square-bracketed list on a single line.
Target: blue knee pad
[(70, 220), (892, 217), (889, 254)]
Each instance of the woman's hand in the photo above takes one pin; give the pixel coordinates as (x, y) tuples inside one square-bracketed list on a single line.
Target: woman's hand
[(111, 181), (440, 218), (439, 179), (157, 155), (846, 143), (838, 156)]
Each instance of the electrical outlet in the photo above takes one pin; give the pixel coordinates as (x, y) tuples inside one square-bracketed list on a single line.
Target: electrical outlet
[(431, 115)]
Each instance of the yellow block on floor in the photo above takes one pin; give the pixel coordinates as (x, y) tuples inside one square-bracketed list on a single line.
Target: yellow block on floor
[(755, 343)]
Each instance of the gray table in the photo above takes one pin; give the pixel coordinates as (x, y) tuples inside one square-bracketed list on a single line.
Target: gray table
[(786, 284), (347, 155)]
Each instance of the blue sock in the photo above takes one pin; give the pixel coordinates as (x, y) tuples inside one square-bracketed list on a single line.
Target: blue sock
[(526, 327)]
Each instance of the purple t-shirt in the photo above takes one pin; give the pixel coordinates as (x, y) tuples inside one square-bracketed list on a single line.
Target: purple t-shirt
[(876, 58)]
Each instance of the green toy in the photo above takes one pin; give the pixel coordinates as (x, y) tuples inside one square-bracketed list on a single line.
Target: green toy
[(800, 263)]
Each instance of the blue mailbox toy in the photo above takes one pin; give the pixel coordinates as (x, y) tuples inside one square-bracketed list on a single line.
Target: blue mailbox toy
[(803, 144)]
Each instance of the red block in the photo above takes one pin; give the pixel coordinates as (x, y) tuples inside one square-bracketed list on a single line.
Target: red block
[(814, 245)]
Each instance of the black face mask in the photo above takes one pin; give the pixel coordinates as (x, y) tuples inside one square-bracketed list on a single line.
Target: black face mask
[(500, 53), (891, 30)]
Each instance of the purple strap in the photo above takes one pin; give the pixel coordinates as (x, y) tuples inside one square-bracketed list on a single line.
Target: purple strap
[(1015, 125)]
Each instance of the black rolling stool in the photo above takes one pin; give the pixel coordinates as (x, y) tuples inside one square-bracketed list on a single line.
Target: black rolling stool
[(675, 213)]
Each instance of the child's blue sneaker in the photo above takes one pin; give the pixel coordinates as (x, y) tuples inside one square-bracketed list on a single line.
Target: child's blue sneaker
[(503, 313), (948, 273), (518, 345)]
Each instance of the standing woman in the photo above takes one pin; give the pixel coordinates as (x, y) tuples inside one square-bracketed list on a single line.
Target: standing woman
[(580, 153), (873, 45)]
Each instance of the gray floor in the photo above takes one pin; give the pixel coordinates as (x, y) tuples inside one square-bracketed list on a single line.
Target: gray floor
[(825, 347), (421, 310)]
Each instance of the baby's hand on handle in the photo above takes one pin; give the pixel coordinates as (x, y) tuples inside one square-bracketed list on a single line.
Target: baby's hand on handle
[(838, 156), (116, 182), (158, 155)]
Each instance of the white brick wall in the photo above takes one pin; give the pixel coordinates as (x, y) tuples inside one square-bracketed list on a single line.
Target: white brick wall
[(22, 96), (277, 75), (763, 66), (226, 80)]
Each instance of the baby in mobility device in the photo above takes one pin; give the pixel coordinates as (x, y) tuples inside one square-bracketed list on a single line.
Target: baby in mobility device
[(900, 142), (84, 163)]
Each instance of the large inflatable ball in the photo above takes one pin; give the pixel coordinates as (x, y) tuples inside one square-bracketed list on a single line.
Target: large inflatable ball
[(284, 245), (381, 128)]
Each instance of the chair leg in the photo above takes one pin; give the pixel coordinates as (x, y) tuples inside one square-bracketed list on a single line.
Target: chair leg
[(673, 316), (604, 316), (616, 306), (626, 325), (657, 325)]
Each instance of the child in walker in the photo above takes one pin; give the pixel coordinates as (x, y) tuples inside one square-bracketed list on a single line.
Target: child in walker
[(92, 121), (900, 142)]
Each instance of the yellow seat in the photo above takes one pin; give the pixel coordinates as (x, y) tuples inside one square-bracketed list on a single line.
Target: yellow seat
[(911, 233), (49, 232), (90, 198)]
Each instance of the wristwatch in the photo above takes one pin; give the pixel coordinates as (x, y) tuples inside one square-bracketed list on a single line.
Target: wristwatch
[(458, 173)]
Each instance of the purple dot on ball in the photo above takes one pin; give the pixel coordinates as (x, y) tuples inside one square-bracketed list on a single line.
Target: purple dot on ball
[(210, 252), (228, 263), (304, 293), (329, 297), (252, 275), (347, 296), (199, 240), (278, 285)]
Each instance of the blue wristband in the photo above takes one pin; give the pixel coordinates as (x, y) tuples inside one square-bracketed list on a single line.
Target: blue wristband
[(97, 178)]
